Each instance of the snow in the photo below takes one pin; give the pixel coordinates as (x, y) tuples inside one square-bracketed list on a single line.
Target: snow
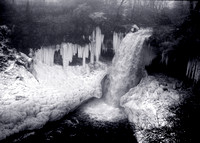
[(147, 105), (100, 111), (27, 103)]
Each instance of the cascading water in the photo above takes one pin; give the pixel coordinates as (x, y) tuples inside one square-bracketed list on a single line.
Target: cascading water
[(127, 66)]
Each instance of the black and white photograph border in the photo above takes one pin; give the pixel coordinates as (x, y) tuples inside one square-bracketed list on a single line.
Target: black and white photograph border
[(99, 71)]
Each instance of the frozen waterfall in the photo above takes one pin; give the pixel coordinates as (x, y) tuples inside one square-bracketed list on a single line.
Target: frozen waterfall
[(91, 51), (126, 70)]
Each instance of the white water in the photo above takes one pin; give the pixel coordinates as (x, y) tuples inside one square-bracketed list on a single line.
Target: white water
[(68, 50), (101, 111), (126, 70)]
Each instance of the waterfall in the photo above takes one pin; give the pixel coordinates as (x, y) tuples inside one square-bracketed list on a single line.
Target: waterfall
[(69, 50), (127, 67)]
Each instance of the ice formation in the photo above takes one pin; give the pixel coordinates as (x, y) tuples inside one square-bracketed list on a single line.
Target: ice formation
[(27, 104), (147, 105), (46, 55), (126, 67), (68, 50), (117, 39), (193, 69), (125, 73)]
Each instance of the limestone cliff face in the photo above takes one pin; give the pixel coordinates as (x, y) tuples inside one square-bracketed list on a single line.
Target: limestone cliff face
[(147, 105)]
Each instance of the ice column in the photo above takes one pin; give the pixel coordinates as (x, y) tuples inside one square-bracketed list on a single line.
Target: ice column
[(117, 39), (68, 50), (45, 55), (193, 69), (99, 39)]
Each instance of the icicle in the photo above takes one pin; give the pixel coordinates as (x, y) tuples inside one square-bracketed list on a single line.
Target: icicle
[(68, 50), (117, 39), (98, 43), (45, 55), (91, 54), (193, 70), (80, 52), (196, 72), (75, 50), (188, 67), (84, 56), (87, 51)]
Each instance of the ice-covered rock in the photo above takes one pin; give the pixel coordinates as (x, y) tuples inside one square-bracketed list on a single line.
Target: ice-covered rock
[(147, 105), (27, 103)]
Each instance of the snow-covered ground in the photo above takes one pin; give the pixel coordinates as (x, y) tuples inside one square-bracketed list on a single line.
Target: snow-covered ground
[(147, 105), (27, 103)]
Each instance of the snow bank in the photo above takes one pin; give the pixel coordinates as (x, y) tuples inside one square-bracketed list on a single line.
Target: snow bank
[(147, 105), (27, 103)]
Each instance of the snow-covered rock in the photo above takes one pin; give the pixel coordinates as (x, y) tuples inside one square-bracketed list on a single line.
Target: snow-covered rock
[(147, 105), (27, 103)]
